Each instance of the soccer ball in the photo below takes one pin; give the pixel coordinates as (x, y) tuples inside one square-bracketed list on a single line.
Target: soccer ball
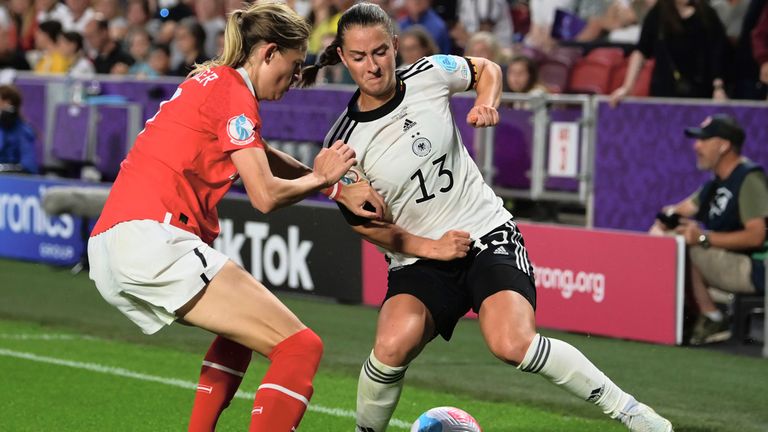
[(445, 419)]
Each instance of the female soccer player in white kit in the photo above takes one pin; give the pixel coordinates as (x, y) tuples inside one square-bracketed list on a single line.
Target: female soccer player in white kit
[(451, 245), (149, 251)]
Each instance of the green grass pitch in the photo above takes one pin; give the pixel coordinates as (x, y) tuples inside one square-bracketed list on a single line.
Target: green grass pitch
[(70, 362)]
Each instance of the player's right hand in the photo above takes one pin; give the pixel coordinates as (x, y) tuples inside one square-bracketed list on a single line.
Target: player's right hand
[(452, 245), (363, 200), (333, 162)]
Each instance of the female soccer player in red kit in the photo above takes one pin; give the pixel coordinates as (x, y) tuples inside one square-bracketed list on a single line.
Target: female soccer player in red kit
[(150, 254)]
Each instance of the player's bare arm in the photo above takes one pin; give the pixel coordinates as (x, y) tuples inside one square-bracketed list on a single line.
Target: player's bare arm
[(284, 165), (488, 88), (453, 244), (268, 192)]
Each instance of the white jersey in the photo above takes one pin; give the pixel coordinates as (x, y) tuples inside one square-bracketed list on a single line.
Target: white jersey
[(411, 151)]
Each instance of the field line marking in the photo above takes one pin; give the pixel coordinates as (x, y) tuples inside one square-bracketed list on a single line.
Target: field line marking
[(116, 371)]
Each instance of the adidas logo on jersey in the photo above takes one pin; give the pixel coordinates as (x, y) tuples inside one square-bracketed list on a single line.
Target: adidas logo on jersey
[(501, 250), (408, 124)]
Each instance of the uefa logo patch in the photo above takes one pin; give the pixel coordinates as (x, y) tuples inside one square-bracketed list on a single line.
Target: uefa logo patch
[(240, 130), (446, 62), (421, 147)]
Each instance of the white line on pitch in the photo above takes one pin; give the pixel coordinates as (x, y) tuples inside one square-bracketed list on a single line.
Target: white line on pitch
[(43, 336), (109, 370)]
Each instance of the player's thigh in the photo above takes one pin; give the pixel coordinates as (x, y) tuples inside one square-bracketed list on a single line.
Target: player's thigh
[(237, 306), (404, 327)]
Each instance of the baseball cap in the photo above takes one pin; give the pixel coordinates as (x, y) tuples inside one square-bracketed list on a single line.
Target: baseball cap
[(718, 125)]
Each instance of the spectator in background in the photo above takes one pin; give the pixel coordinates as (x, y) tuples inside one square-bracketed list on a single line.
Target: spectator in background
[(688, 42), (743, 70), (107, 55), (731, 14), (190, 43), (51, 61), (139, 45), (324, 17), (728, 252), (760, 44), (80, 14), (415, 43), (210, 15), (23, 25), (160, 59), (522, 76), (420, 12), (542, 15), (484, 15), (71, 47), (618, 22), (52, 10), (112, 11), (484, 44), (10, 56), (137, 15), (17, 140)]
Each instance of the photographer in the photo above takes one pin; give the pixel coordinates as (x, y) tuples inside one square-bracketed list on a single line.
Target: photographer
[(728, 251)]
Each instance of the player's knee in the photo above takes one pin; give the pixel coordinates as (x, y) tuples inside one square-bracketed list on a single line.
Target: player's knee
[(313, 346), (510, 349), (392, 351), (305, 344)]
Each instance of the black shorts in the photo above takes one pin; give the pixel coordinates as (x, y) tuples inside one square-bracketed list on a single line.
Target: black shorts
[(497, 261)]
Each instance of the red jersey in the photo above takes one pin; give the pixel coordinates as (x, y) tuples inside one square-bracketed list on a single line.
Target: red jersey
[(180, 167)]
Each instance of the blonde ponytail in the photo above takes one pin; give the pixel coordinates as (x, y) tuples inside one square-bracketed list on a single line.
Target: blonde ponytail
[(261, 22)]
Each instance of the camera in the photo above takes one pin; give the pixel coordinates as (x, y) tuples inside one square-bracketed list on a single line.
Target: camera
[(671, 220)]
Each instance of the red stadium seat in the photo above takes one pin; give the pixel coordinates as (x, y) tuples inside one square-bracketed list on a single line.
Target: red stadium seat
[(606, 55), (643, 84), (591, 77), (554, 75)]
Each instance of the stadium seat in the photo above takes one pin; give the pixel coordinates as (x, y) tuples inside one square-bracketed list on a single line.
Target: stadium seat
[(744, 307), (606, 55), (554, 75), (590, 77), (566, 55), (643, 84)]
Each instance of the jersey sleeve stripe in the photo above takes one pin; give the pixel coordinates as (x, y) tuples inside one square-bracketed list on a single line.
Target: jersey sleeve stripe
[(421, 69), (472, 73), (418, 63)]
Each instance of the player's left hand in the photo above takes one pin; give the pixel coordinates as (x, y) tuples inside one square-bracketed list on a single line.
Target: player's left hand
[(483, 116), (690, 231)]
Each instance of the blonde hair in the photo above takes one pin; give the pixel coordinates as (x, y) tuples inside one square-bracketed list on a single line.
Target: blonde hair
[(269, 22)]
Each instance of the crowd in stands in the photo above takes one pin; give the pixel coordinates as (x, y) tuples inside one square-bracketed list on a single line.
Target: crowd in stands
[(677, 48)]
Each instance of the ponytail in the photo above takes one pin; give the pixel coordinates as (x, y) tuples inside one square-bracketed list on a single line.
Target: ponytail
[(361, 14), (261, 22), (329, 57)]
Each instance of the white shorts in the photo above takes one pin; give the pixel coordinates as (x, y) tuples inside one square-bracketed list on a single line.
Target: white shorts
[(148, 270)]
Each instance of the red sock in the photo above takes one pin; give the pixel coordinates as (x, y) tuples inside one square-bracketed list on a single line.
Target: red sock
[(223, 370), (284, 393)]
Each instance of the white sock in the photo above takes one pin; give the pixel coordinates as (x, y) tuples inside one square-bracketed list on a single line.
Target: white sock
[(567, 367), (715, 315), (378, 391)]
